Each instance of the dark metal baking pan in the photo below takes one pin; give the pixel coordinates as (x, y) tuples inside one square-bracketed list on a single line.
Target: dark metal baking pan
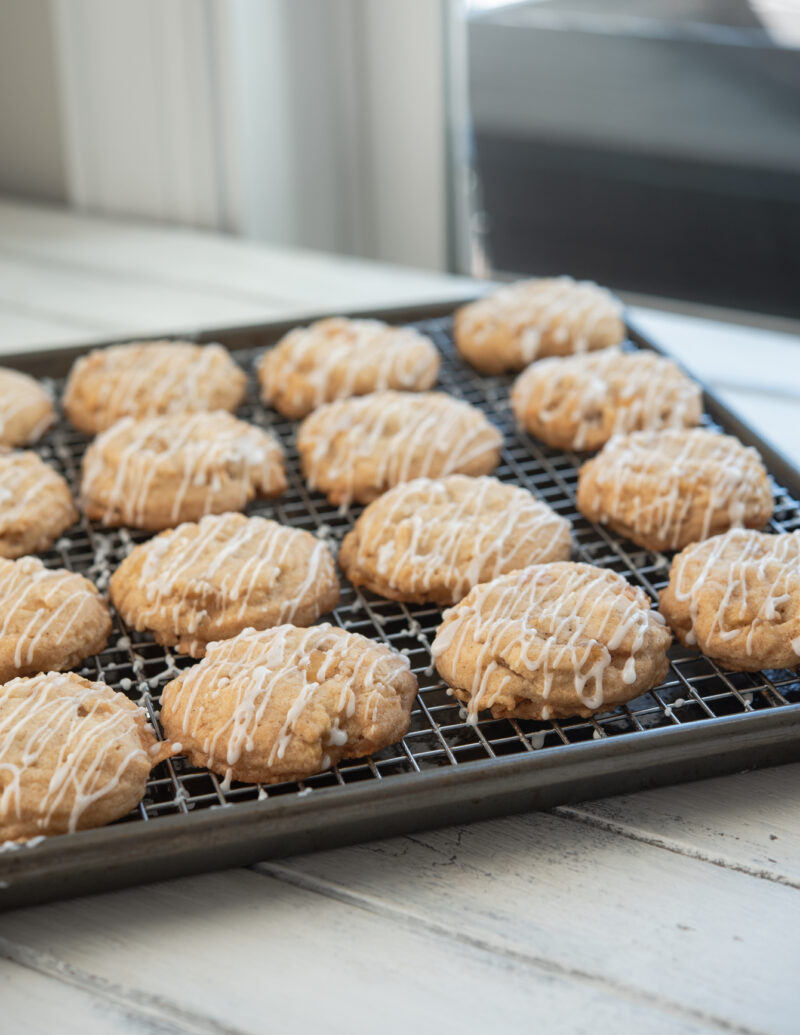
[(702, 721)]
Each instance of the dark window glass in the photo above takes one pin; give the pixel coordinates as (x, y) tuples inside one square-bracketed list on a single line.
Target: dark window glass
[(653, 146)]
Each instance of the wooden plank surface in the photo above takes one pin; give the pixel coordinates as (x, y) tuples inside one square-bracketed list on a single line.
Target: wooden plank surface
[(242, 952)]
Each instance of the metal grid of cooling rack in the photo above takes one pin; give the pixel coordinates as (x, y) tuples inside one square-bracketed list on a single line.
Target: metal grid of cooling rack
[(439, 737)]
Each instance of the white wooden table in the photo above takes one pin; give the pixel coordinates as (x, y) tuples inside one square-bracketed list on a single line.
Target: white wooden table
[(667, 911)]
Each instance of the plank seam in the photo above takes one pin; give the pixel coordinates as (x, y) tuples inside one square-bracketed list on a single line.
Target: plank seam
[(414, 921), (577, 815), (141, 1005)]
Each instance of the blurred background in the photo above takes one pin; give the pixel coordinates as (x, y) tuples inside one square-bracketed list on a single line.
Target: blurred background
[(653, 146)]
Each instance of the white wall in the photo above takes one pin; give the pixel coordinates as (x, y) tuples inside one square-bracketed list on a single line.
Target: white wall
[(318, 123), (31, 153)]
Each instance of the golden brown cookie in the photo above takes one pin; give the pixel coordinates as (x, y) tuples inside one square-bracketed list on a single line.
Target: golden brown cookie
[(158, 472), (151, 378), (736, 597), (36, 505), (547, 316), (73, 755), (579, 402), (434, 539), (50, 619), (666, 489), (355, 449), (552, 641), (338, 358), (285, 703), (26, 409), (209, 581)]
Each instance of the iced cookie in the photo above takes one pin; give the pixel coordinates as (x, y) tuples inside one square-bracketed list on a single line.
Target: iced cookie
[(286, 703)]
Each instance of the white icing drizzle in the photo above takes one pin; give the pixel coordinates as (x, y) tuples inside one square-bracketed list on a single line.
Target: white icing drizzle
[(63, 598), (640, 389), (361, 355), (441, 529), (142, 379), (18, 392), (545, 617), (566, 309), (215, 451), (84, 724), (405, 436), (657, 478), (19, 492), (249, 554), (253, 674), (739, 567)]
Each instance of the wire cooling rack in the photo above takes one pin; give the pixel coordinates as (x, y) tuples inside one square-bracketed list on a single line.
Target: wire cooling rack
[(696, 688)]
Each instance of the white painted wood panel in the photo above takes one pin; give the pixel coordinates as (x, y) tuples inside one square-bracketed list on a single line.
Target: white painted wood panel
[(35, 1004), (582, 901), (748, 821), (251, 954), (218, 262), (20, 331)]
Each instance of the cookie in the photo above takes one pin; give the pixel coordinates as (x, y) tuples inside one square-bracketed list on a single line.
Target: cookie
[(579, 402), (547, 316), (551, 641), (35, 504), (355, 449), (338, 358), (666, 489), (151, 378), (736, 597), (432, 540), (26, 409), (158, 472), (50, 618), (209, 581), (285, 703), (73, 755)]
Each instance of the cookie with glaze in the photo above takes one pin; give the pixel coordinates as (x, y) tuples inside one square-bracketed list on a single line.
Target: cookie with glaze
[(148, 379), (356, 449), (158, 472), (208, 581), (286, 703), (531, 319), (36, 505), (26, 409), (666, 489), (551, 641), (338, 358), (75, 755), (579, 402), (432, 540), (736, 597), (50, 618)]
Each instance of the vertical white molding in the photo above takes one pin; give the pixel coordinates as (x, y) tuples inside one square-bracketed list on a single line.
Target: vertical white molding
[(302, 122), (140, 131)]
